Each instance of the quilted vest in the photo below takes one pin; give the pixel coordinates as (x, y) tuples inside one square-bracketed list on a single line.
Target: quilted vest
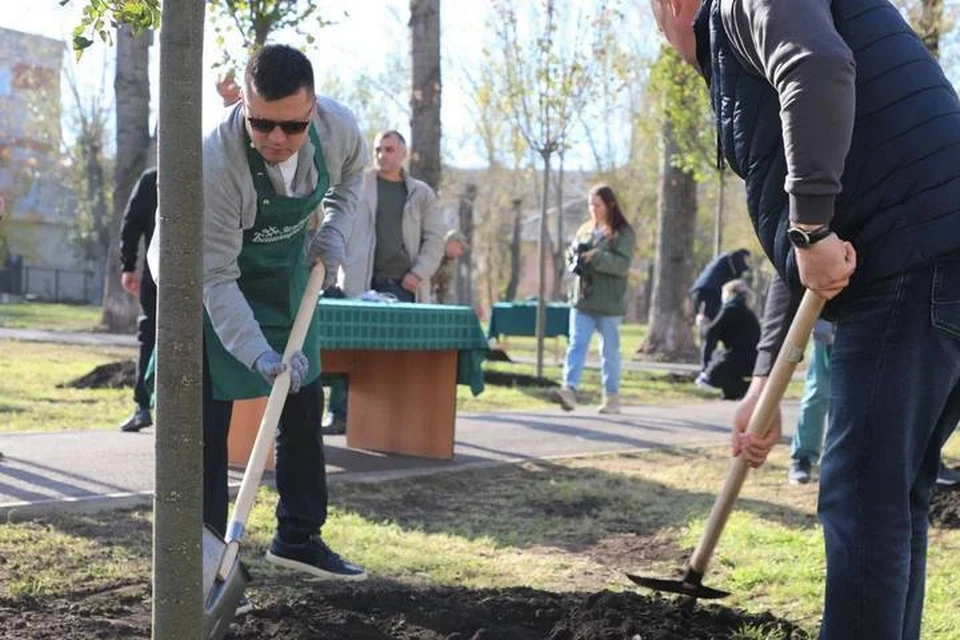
[(900, 199)]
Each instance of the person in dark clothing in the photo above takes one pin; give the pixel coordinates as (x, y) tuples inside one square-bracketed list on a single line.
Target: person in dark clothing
[(847, 134), (138, 222), (705, 292), (737, 327)]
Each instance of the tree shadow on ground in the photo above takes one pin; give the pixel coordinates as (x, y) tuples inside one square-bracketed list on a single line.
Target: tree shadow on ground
[(540, 503)]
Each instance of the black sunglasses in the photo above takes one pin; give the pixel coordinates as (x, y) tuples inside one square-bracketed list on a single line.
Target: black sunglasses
[(289, 127)]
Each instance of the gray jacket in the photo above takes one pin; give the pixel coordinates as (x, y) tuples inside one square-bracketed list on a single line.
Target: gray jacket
[(230, 207), (423, 231)]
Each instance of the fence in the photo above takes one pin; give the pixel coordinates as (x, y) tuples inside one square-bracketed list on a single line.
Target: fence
[(47, 284)]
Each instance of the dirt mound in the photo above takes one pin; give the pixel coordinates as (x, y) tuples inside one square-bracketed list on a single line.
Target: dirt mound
[(945, 508), (113, 375), (382, 611)]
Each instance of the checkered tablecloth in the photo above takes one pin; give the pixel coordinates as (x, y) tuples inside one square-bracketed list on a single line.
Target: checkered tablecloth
[(520, 319), (355, 324)]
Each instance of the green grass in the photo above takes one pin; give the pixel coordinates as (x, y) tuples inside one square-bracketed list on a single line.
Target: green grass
[(31, 401), (49, 317), (636, 388), (577, 525)]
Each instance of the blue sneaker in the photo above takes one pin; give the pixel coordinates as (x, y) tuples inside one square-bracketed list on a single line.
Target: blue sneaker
[(315, 558)]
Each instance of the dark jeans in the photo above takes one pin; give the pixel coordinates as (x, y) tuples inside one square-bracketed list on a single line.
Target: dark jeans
[(895, 398), (300, 472), (729, 374), (146, 336), (338, 384)]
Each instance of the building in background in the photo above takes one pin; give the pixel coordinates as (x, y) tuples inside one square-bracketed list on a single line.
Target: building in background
[(37, 257)]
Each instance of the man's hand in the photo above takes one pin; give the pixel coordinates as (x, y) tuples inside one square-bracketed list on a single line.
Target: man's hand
[(328, 246), (754, 448), (228, 89), (130, 282), (270, 364), (826, 266), (410, 282)]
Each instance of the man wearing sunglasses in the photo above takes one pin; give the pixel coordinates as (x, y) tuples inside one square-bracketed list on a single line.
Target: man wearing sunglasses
[(280, 155)]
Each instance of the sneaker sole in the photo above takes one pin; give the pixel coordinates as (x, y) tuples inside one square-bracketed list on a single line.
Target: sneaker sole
[(317, 573), (243, 609)]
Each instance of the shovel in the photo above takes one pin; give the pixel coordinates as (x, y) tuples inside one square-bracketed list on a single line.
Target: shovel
[(791, 353), (224, 576)]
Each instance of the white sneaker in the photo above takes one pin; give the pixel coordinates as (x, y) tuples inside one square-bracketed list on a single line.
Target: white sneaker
[(610, 404), (567, 398)]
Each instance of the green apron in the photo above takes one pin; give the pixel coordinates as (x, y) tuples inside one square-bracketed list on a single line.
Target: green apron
[(273, 276)]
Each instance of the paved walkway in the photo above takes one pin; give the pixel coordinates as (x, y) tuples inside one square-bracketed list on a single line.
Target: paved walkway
[(96, 469)]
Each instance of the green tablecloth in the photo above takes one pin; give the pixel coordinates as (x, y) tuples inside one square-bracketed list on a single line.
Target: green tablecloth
[(520, 319), (355, 324)]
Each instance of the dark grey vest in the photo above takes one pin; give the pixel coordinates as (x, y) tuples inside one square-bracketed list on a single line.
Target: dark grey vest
[(900, 204)]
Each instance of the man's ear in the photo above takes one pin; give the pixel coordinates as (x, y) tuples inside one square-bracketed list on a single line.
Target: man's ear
[(675, 7)]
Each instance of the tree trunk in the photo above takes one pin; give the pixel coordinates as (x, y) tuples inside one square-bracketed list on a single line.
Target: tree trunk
[(515, 243), (670, 336), (559, 259), (132, 87), (544, 249), (177, 560), (464, 284), (425, 96)]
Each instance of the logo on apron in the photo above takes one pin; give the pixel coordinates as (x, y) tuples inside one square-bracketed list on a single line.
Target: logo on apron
[(278, 234)]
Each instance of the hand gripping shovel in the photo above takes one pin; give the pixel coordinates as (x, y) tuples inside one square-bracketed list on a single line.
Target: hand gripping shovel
[(224, 577), (790, 354)]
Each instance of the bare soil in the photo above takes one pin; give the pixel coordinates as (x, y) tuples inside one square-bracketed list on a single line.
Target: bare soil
[(392, 611)]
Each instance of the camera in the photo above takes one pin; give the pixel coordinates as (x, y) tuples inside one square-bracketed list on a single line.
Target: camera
[(576, 258)]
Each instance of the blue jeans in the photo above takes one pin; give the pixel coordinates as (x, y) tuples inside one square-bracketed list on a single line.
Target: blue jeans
[(582, 326), (896, 389), (808, 438)]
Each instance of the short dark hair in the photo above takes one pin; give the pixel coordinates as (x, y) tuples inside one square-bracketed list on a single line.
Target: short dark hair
[(278, 71), (396, 134)]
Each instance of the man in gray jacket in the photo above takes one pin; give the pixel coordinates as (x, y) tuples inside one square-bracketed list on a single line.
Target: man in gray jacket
[(279, 156), (395, 246)]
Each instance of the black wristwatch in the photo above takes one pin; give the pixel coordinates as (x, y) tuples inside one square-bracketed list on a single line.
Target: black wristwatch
[(802, 239)]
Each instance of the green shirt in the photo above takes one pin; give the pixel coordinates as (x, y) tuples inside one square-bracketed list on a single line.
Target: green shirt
[(390, 259)]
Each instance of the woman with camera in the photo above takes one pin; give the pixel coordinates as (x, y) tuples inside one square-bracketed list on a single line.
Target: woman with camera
[(599, 258)]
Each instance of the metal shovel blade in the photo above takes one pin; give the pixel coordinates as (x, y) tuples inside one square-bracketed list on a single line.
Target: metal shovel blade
[(686, 587), (220, 598)]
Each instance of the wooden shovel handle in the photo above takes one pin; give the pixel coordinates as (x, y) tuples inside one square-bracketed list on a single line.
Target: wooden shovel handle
[(268, 424), (790, 354)]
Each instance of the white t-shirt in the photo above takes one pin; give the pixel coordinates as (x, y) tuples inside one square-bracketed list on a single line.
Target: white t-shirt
[(288, 169)]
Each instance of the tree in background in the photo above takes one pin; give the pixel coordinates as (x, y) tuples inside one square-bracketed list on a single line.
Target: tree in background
[(132, 91), (425, 91), (254, 20), (86, 169), (551, 58), (687, 134)]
